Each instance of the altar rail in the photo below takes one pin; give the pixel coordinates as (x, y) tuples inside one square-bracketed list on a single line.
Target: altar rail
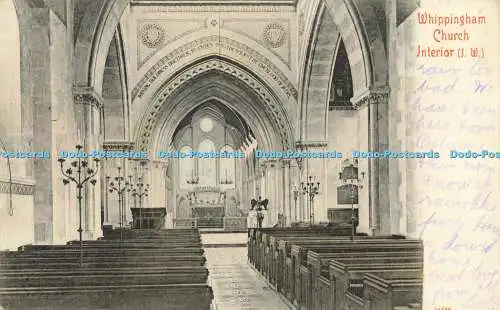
[(229, 223)]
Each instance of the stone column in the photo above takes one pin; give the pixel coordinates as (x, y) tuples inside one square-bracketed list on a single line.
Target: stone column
[(396, 121), (378, 169), (294, 183), (272, 195), (286, 190), (37, 122), (175, 190), (169, 194), (88, 114), (265, 191), (246, 182), (277, 189), (157, 184)]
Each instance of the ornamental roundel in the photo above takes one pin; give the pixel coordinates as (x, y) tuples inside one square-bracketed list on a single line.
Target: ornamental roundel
[(152, 35), (275, 34)]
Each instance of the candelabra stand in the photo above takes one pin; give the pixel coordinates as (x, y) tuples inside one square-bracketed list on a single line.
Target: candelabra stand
[(140, 191), (349, 176), (79, 173), (119, 188), (311, 189)]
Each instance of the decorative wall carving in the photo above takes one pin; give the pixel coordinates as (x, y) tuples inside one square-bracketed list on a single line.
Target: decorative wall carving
[(218, 44), (212, 22), (17, 188), (178, 28), (302, 23), (273, 108), (87, 96), (218, 8), (275, 35), (152, 35), (240, 26)]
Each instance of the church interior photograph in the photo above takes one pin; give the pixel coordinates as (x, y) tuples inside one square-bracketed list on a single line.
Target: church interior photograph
[(197, 155)]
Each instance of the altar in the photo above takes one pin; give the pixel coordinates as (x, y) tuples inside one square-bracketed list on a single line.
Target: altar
[(211, 208)]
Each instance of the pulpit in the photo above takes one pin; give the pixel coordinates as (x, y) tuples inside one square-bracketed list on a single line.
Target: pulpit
[(148, 218)]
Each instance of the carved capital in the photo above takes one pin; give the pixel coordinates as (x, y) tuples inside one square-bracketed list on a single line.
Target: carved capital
[(117, 145), (371, 97), (303, 145), (87, 96)]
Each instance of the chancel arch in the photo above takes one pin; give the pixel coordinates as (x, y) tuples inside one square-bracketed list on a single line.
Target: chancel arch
[(213, 46), (214, 78)]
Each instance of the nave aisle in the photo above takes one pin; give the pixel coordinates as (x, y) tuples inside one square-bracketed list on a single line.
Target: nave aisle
[(236, 285)]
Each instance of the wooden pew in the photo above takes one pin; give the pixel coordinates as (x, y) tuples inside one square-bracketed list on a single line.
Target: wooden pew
[(92, 251), (270, 253), (316, 263), (103, 258), (344, 274), (262, 247), (55, 278), (279, 274), (256, 237), (50, 277), (144, 297), (386, 290), (111, 245), (343, 249)]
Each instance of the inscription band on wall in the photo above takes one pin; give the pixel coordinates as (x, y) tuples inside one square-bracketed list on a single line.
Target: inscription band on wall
[(216, 43)]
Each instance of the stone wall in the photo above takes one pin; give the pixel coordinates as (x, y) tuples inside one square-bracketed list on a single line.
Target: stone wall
[(16, 185), (41, 117)]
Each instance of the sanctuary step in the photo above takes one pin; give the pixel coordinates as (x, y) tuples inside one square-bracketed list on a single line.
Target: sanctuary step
[(214, 222)]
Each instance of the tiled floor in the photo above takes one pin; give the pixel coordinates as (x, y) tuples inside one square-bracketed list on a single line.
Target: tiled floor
[(236, 286), (227, 238)]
